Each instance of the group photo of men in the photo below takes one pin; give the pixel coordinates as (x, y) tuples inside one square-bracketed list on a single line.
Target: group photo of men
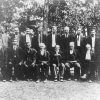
[(56, 57)]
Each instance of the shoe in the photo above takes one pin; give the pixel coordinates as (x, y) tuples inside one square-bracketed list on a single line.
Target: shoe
[(75, 79), (55, 80), (4, 80), (90, 81), (69, 79), (84, 76), (38, 81), (30, 79), (45, 81), (61, 80), (11, 80)]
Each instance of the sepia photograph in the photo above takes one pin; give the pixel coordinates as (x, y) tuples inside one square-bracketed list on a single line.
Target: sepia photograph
[(49, 49)]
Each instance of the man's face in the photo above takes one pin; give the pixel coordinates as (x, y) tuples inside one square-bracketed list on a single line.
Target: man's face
[(16, 31), (66, 31), (54, 29), (15, 46), (88, 48), (28, 45), (92, 33), (42, 48), (71, 47), (57, 48), (78, 32)]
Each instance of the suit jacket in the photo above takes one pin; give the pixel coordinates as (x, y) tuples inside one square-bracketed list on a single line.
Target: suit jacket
[(22, 41), (49, 41), (45, 57), (30, 56), (35, 42), (57, 59), (18, 55), (71, 57)]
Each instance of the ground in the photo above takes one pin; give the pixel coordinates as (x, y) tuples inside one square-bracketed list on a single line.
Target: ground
[(67, 90)]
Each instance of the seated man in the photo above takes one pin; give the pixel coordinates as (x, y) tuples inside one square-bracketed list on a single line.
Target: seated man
[(71, 60), (42, 62), (17, 60), (58, 66), (88, 63), (30, 62)]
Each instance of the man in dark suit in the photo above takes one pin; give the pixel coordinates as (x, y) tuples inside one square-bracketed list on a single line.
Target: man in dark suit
[(53, 39), (42, 62), (64, 41), (17, 60), (30, 62), (22, 40), (57, 63), (71, 60)]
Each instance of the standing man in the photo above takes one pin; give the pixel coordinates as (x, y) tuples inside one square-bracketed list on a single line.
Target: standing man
[(2, 67), (42, 62), (65, 39), (52, 39), (88, 63), (91, 40)]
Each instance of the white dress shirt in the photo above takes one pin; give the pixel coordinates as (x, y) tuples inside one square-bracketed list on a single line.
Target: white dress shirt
[(93, 42), (78, 40), (53, 40), (88, 55), (28, 39)]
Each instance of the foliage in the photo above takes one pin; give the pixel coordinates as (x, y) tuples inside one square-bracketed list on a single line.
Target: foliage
[(72, 13)]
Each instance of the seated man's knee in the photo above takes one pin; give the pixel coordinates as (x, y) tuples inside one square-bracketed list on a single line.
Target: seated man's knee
[(77, 65), (54, 65), (62, 65), (67, 65)]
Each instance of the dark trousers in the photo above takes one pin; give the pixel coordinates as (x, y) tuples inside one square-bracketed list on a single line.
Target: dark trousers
[(76, 66), (17, 71), (89, 69), (4, 72), (29, 72), (9, 71)]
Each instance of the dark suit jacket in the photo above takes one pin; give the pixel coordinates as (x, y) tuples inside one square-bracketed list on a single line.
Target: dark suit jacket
[(57, 58), (30, 56), (22, 41), (71, 57), (18, 55), (49, 41), (45, 57), (35, 42)]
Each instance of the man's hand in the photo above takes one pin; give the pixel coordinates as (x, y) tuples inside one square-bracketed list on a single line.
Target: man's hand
[(10, 62), (33, 64)]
